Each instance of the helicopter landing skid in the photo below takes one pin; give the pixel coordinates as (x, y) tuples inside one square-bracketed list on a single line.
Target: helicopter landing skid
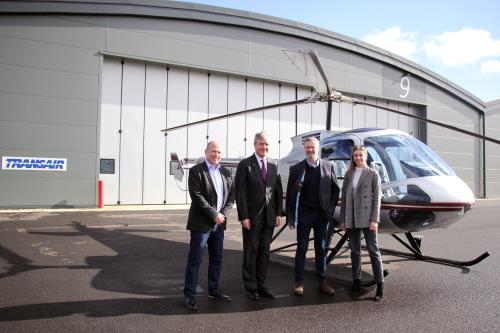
[(413, 245), (333, 251), (330, 231)]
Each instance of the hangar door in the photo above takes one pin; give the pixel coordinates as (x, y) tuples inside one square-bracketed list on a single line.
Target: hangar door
[(139, 100)]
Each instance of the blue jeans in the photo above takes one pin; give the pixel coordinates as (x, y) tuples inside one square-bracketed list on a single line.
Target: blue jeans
[(311, 219), (199, 240)]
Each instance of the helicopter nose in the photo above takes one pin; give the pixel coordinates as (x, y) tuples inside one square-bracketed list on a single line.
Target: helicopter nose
[(452, 189), (426, 202)]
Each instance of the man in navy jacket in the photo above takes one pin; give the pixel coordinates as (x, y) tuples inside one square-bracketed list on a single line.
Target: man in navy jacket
[(312, 195)]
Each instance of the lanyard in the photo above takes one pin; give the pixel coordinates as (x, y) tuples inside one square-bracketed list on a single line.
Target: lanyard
[(296, 217)]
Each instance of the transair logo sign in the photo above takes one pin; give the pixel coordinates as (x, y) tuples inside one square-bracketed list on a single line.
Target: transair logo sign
[(34, 163)]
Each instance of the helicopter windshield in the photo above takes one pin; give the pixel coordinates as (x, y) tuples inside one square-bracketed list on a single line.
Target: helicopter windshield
[(399, 157), (339, 151)]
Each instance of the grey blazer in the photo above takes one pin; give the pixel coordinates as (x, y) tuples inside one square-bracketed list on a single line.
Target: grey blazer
[(362, 205)]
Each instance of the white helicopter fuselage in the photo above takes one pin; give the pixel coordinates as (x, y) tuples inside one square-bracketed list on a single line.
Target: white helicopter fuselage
[(419, 190)]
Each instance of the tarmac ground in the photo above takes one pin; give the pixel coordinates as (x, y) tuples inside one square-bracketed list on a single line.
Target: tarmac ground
[(122, 270)]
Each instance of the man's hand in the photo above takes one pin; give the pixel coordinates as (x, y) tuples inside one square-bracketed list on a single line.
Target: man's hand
[(278, 221), (219, 219), (343, 228), (373, 226), (246, 224)]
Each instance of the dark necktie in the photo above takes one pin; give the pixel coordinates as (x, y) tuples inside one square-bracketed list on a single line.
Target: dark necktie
[(263, 171)]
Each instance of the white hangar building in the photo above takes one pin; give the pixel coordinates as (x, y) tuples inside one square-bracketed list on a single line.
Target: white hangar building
[(86, 87)]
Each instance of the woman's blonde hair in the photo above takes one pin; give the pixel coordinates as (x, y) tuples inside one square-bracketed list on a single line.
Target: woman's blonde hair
[(356, 148)]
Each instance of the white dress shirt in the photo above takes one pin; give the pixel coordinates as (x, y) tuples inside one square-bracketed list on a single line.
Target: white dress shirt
[(217, 180)]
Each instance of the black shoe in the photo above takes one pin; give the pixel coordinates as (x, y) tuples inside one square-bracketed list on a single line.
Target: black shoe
[(356, 288), (190, 303), (379, 295), (218, 295), (253, 295), (265, 292)]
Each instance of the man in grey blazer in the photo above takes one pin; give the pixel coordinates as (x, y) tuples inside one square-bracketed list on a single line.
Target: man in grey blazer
[(212, 194), (259, 199), (312, 195)]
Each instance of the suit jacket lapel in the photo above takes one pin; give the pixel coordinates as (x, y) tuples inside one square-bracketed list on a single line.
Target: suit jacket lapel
[(364, 174), (302, 171), (226, 191), (207, 174), (270, 174), (323, 172)]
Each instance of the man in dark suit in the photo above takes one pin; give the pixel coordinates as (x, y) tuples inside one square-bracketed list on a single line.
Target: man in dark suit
[(212, 194), (259, 199), (311, 198)]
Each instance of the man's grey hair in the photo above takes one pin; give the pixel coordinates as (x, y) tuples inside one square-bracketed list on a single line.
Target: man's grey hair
[(260, 136), (313, 140)]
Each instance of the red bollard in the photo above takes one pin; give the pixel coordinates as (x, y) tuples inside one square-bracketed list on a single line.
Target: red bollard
[(100, 200)]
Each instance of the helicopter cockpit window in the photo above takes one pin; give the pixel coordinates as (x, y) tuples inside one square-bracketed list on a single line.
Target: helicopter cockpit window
[(340, 153), (405, 157), (375, 162)]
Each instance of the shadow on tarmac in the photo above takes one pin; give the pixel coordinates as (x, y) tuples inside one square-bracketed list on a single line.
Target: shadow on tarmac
[(18, 264), (155, 267)]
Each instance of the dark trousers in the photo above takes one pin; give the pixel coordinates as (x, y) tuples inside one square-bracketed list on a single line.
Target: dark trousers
[(200, 240), (372, 246), (256, 244), (310, 219)]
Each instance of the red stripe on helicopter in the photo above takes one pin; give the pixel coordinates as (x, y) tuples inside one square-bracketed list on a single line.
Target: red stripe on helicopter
[(431, 206)]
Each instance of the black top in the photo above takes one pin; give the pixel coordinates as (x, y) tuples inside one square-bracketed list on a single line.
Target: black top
[(309, 194)]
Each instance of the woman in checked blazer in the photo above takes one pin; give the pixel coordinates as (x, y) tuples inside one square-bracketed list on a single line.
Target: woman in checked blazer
[(360, 213)]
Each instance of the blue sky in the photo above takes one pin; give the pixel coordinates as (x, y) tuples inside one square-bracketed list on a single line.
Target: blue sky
[(458, 39)]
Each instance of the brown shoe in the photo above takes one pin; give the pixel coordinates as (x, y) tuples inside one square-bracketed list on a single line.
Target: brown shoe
[(299, 289), (325, 288)]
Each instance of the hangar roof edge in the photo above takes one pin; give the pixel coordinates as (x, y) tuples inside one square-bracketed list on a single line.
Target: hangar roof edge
[(221, 15), (493, 107)]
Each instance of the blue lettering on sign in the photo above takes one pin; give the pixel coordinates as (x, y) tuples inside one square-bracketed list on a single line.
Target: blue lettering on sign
[(23, 163)]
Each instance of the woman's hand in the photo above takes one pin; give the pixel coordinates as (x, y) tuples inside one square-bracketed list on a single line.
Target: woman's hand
[(373, 226)]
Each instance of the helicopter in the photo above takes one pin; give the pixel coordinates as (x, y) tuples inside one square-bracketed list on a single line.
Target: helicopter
[(419, 190)]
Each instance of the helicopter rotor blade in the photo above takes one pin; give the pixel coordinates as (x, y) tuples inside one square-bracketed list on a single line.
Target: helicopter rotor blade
[(317, 63), (239, 113), (307, 62), (430, 121)]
